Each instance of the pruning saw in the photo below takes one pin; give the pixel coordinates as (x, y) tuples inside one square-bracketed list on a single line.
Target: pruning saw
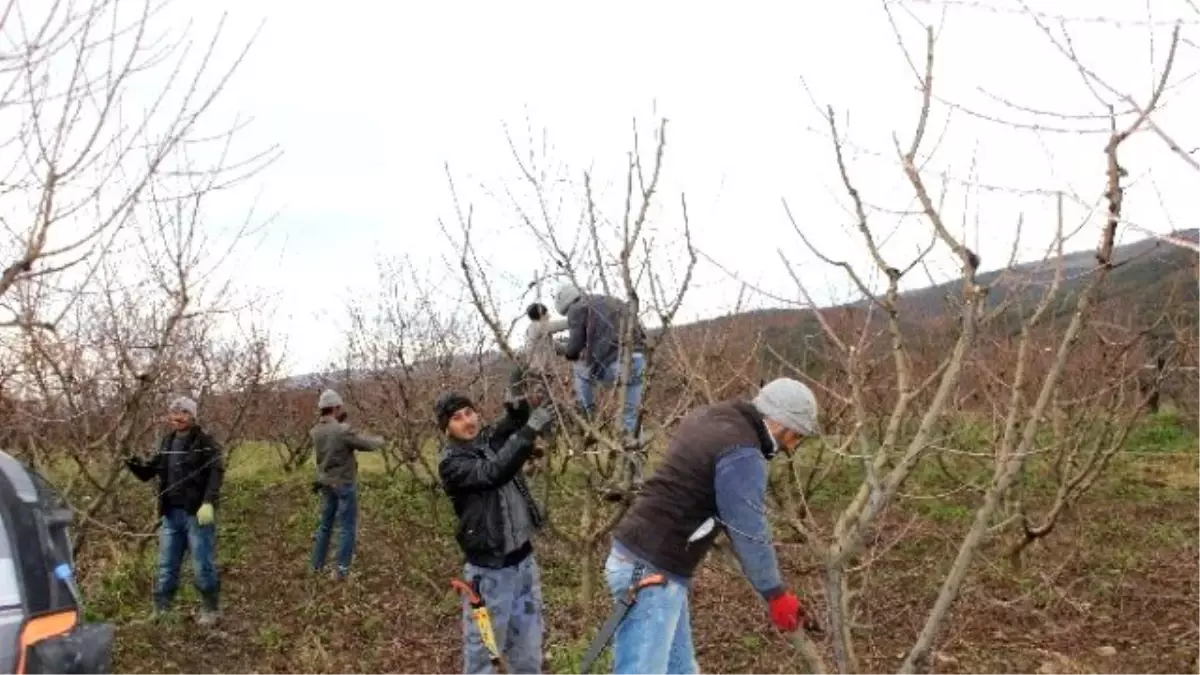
[(483, 620)]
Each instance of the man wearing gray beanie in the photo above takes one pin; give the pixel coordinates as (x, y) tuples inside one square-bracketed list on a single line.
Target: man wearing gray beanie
[(335, 443), (713, 478), (190, 469), (595, 330)]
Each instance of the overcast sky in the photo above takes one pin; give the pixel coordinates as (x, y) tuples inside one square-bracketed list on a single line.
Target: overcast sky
[(369, 99)]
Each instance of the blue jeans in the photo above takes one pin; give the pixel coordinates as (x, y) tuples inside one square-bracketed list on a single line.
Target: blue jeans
[(180, 532), (514, 599), (656, 634), (340, 504), (586, 380)]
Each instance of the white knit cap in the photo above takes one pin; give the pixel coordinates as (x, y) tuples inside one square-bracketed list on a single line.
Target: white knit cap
[(567, 294), (329, 399), (790, 403), (183, 404)]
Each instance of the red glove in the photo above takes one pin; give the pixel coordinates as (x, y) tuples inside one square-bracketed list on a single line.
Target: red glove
[(786, 612)]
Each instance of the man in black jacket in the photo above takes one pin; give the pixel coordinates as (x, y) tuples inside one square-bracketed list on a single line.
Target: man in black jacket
[(480, 470), (190, 468)]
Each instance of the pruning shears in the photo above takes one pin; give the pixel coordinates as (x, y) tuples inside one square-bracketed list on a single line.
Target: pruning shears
[(483, 620)]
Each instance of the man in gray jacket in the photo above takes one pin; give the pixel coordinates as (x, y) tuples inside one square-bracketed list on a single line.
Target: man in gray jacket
[(335, 443), (597, 324)]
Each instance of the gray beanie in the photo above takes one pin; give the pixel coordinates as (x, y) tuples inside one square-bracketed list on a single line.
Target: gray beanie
[(567, 295), (183, 404), (329, 399), (790, 403)]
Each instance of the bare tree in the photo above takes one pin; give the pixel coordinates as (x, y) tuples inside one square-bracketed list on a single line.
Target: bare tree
[(902, 396), (615, 256), (110, 276), (289, 415), (81, 160), (403, 350), (142, 328)]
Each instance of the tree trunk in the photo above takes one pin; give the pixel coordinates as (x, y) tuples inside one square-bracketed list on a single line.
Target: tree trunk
[(586, 546)]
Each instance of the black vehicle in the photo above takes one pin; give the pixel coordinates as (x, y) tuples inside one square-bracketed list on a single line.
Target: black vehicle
[(41, 614)]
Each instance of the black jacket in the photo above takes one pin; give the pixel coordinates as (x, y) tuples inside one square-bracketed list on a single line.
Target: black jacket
[(203, 471), (472, 477), (596, 325)]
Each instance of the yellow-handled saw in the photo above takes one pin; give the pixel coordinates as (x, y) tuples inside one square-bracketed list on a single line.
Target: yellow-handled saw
[(483, 620)]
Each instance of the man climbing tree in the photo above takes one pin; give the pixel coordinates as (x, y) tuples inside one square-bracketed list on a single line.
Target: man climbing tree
[(713, 478), (335, 443), (530, 377), (480, 470), (596, 325), (190, 468)]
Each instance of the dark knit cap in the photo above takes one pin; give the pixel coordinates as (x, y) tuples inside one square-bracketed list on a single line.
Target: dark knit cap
[(447, 404)]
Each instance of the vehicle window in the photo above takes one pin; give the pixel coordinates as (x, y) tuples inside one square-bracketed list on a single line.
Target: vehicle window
[(10, 586), (19, 477)]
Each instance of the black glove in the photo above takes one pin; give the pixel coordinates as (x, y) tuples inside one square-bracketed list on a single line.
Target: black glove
[(134, 463), (540, 419), (517, 410)]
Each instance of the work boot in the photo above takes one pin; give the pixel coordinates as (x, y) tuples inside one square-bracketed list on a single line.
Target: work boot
[(162, 608), (209, 612)]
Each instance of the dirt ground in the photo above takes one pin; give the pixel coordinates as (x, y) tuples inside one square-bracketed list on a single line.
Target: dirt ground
[(1114, 589)]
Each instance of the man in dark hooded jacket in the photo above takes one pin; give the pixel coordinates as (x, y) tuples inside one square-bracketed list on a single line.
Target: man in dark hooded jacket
[(480, 470)]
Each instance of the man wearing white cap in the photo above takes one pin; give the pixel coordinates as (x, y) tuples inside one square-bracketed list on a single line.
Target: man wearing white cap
[(335, 442), (713, 478)]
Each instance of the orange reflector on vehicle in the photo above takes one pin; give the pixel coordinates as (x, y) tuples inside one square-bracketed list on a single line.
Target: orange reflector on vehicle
[(44, 627)]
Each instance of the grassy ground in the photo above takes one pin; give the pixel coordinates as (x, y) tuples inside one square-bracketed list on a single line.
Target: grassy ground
[(1114, 589)]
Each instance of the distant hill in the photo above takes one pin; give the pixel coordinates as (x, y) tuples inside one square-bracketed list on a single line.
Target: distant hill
[(1148, 274), (1145, 275)]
